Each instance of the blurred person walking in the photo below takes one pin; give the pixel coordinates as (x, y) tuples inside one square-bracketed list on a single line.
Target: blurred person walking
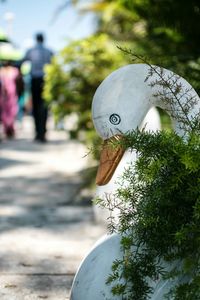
[(39, 56), (10, 80)]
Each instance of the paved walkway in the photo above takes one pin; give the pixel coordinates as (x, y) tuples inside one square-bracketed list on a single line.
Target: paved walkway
[(46, 218)]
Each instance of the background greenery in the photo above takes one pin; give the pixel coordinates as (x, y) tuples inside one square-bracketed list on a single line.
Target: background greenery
[(165, 31), (74, 75)]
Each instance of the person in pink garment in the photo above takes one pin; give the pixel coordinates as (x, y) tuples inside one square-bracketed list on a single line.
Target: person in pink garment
[(8, 97)]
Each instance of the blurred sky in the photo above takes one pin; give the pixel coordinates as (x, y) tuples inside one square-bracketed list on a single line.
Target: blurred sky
[(31, 16)]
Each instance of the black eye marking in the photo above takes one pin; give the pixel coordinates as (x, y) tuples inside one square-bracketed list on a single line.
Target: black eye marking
[(115, 119)]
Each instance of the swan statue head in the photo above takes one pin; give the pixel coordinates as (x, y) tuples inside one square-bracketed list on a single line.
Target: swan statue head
[(120, 104)]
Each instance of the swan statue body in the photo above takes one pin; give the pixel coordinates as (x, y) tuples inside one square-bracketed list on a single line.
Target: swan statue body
[(120, 105)]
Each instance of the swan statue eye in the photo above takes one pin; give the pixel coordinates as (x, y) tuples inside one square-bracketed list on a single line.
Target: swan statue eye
[(115, 119)]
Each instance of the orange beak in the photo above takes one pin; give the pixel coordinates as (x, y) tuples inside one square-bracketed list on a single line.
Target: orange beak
[(109, 160)]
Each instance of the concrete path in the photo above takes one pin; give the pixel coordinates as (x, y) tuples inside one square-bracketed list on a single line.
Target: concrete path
[(46, 218)]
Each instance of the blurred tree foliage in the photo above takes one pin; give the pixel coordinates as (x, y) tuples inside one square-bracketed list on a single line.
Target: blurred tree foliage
[(74, 75), (165, 31)]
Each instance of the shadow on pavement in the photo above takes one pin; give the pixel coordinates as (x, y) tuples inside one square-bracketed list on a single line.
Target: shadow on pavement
[(21, 144), (42, 202), (8, 162)]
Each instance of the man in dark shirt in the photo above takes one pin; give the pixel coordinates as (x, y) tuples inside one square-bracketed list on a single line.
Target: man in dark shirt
[(38, 56)]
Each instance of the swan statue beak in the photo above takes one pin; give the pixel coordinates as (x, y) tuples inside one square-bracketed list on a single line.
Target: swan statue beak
[(110, 157)]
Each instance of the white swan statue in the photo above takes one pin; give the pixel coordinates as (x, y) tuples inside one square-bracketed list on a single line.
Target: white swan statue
[(119, 105)]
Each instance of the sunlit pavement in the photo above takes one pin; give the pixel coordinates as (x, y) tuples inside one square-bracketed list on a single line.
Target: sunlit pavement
[(46, 221)]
